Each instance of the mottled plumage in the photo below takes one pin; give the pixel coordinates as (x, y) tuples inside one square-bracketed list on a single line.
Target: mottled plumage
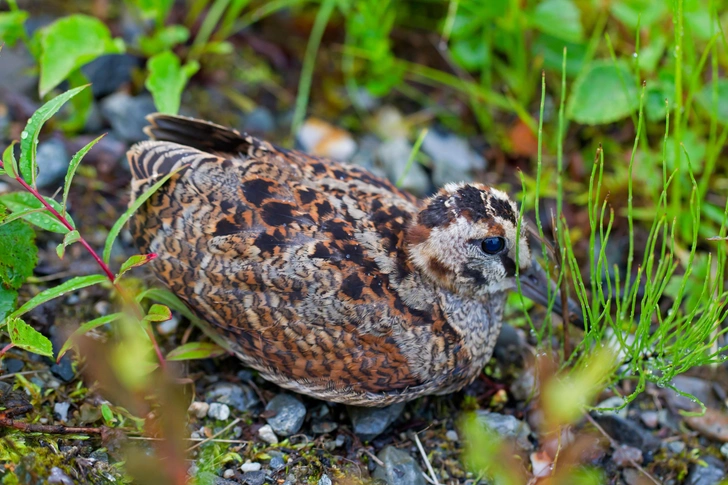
[(327, 279)]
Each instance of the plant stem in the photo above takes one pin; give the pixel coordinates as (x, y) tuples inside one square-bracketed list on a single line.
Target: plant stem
[(104, 267)]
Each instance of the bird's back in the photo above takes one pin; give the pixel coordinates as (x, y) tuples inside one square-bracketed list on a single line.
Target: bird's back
[(302, 262)]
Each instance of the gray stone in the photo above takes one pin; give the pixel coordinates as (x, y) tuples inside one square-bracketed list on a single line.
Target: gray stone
[(126, 114), (14, 76), (11, 366), (368, 423), (53, 159), (276, 460), (324, 480), (239, 396), (61, 409), (399, 468), (508, 427), (627, 432), (290, 413), (108, 73), (701, 389), (393, 155), (218, 411), (711, 474), (254, 478), (676, 447), (58, 476), (453, 158)]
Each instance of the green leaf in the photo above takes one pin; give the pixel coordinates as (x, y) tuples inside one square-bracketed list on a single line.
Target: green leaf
[(69, 43), (167, 79), (603, 94), (107, 414), (154, 9), (18, 254), (26, 337), (559, 18), (12, 26), (29, 136), (552, 51), (470, 53), (73, 284), (133, 262), (8, 299), (9, 162), (196, 350), (80, 108), (644, 13), (158, 313), (166, 297), (35, 212), (75, 161), (116, 228), (85, 328), (70, 238), (719, 109), (163, 39)]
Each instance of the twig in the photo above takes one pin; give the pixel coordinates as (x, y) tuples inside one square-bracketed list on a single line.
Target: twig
[(372, 456), (615, 445), (235, 421), (427, 460), (8, 422)]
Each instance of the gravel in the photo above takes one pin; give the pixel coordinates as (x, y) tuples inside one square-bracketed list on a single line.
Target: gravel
[(238, 396), (218, 411), (290, 413), (266, 434), (368, 423), (399, 468)]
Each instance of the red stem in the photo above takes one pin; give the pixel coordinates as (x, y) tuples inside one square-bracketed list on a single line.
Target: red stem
[(104, 267)]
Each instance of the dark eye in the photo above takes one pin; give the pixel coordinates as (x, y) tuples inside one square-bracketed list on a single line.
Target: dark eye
[(493, 245)]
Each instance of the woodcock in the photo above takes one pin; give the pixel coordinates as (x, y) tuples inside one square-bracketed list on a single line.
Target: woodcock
[(325, 278)]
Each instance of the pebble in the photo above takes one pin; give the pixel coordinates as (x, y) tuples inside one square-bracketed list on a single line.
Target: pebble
[(58, 476), (229, 473), (508, 427), (675, 447), (239, 396), (108, 73), (453, 158), (61, 409), (324, 480), (276, 461), (250, 467), (254, 478), (701, 389), (53, 161), (650, 419), (627, 455), (368, 423), (218, 411), (393, 154), (266, 434), (452, 435), (713, 424), (399, 468), (320, 138), (626, 431), (290, 413), (198, 409), (11, 366), (168, 327), (126, 114), (712, 473)]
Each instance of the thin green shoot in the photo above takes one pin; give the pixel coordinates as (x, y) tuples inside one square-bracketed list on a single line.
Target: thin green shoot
[(413, 154)]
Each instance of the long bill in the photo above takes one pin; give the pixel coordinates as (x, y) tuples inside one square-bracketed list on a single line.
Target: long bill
[(535, 285)]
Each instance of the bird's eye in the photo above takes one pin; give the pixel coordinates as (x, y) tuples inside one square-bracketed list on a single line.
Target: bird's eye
[(493, 245)]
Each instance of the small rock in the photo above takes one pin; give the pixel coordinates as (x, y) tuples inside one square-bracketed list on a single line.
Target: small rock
[(58, 476), (260, 121), (340, 440), (61, 409), (108, 73), (324, 480), (675, 447), (323, 427), (508, 427), (627, 455), (198, 409), (701, 389), (64, 369), (368, 423), (229, 473), (290, 413), (452, 435), (711, 474), (250, 467), (239, 396), (713, 424), (254, 478), (627, 432), (126, 114), (393, 155), (52, 163), (276, 461), (323, 139), (399, 468), (266, 434), (218, 411), (168, 327), (11, 366), (650, 419), (633, 476), (452, 156)]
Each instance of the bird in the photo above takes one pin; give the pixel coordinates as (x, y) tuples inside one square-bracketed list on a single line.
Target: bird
[(324, 277)]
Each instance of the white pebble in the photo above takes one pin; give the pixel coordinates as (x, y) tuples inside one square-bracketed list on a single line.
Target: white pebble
[(198, 409), (266, 434), (250, 467), (61, 409), (219, 411), (229, 473), (452, 435), (168, 327)]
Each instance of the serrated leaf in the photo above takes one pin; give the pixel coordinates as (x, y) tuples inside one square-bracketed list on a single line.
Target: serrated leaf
[(133, 262), (8, 299), (9, 162), (158, 313), (12, 26), (27, 338), (69, 43), (559, 18), (605, 93), (116, 228), (75, 161), (74, 284), (167, 79), (196, 350), (34, 211), (69, 238), (18, 253), (29, 137), (84, 329)]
